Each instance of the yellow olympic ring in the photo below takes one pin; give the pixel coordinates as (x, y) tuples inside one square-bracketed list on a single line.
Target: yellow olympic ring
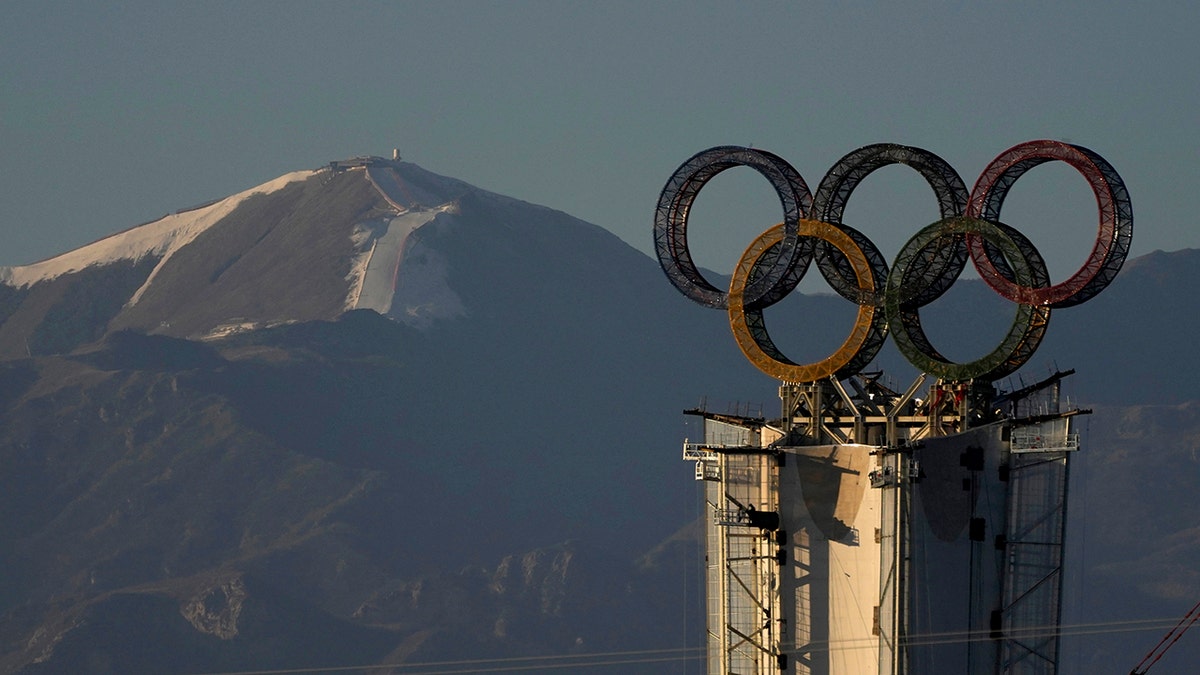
[(747, 323)]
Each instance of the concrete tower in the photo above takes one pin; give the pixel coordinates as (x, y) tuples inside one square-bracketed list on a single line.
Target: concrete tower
[(878, 532)]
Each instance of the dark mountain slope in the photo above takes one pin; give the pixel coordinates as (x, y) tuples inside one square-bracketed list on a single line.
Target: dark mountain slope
[(1136, 343), (59, 315), (146, 496)]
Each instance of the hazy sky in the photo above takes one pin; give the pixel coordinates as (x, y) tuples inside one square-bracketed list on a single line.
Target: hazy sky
[(112, 114)]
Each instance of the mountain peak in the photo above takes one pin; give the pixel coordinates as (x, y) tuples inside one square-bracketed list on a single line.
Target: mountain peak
[(362, 233), (307, 245)]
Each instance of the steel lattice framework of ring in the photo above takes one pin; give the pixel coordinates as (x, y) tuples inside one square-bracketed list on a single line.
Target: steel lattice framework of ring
[(1029, 324), (677, 197), (890, 300), (833, 193), (1112, 240)]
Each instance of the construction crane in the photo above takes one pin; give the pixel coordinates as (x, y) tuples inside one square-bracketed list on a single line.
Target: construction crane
[(1167, 641)]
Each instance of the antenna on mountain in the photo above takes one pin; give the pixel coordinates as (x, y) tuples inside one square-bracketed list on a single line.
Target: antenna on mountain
[(395, 154)]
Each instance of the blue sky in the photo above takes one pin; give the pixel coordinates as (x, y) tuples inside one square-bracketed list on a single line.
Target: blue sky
[(112, 114)]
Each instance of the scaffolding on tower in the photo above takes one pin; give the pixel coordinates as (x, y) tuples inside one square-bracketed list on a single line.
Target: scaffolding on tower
[(842, 535)]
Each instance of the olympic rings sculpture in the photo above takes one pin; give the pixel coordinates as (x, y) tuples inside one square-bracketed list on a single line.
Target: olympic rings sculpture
[(889, 300)]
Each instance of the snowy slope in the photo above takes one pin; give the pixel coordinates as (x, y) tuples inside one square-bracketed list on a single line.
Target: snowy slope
[(162, 237), (375, 270)]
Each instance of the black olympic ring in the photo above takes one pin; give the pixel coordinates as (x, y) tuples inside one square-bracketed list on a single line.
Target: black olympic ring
[(926, 266), (676, 199)]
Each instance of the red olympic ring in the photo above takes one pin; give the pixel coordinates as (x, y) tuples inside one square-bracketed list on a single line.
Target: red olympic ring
[(1112, 239)]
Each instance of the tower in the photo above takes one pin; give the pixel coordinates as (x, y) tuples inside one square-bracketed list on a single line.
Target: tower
[(868, 529), (939, 551)]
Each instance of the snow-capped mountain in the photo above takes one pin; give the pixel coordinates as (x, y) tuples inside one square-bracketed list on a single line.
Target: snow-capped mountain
[(307, 245)]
